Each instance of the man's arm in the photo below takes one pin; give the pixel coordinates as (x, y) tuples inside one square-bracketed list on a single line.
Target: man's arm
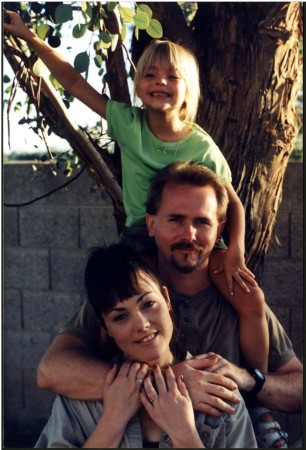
[(211, 393), (283, 390), (69, 368)]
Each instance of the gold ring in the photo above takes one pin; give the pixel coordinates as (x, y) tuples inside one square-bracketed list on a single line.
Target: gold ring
[(140, 380)]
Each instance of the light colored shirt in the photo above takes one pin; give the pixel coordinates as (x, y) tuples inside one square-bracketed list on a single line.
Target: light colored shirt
[(142, 155)]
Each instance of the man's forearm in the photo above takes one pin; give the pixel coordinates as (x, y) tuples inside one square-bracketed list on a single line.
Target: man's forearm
[(72, 371), (283, 392)]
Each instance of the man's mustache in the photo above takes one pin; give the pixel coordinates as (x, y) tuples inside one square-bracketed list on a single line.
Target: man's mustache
[(183, 245)]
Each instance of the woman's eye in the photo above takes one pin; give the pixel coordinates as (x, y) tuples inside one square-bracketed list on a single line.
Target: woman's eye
[(119, 318), (149, 75), (148, 304)]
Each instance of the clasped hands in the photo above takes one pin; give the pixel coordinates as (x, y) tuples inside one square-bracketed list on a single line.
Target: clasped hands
[(203, 383)]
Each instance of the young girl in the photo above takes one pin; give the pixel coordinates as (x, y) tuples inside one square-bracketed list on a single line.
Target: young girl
[(151, 137), (143, 403)]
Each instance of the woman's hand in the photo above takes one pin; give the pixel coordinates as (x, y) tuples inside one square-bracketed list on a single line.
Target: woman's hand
[(121, 391), (170, 406)]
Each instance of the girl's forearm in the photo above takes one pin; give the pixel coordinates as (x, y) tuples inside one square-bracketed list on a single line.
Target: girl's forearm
[(66, 75)]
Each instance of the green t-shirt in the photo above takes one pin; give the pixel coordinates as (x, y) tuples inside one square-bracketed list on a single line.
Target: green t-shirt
[(142, 155)]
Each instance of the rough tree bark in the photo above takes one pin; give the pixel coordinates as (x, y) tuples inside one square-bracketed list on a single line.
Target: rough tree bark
[(250, 84)]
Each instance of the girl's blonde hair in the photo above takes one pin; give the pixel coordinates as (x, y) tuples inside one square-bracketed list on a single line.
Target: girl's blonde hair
[(182, 60)]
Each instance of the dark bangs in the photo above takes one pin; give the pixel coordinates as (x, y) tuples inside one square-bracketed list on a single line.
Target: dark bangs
[(112, 275)]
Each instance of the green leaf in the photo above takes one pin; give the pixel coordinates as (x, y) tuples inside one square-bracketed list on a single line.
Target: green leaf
[(6, 79), (141, 20), (98, 61), (105, 39), (137, 33), (18, 106), (54, 41), (36, 7), (155, 29), (123, 31), (84, 6), (111, 6), (43, 31), (126, 14), (81, 62), (87, 13), (146, 9), (94, 24), (79, 30), (63, 13)]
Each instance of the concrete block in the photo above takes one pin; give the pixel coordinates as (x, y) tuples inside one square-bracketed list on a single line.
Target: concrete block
[(296, 243), (17, 181), (83, 192), (10, 227), (48, 311), (297, 331), (293, 187), (24, 350), (22, 184), (49, 227), (25, 268), (282, 282), (97, 227), (38, 402), (12, 318), (67, 270), (13, 399)]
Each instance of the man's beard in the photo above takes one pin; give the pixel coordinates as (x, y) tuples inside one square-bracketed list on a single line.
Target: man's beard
[(187, 266)]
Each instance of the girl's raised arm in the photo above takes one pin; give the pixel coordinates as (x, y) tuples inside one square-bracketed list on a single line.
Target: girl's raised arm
[(66, 75)]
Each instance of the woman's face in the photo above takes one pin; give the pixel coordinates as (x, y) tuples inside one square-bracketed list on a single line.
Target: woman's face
[(142, 326)]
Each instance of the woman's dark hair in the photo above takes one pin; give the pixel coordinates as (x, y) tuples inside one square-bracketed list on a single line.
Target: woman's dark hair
[(112, 274)]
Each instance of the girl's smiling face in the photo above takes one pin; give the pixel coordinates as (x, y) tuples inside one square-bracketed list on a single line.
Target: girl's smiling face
[(141, 325), (162, 88)]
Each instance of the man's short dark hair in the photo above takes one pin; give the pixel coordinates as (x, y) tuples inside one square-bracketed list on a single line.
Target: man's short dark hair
[(186, 172)]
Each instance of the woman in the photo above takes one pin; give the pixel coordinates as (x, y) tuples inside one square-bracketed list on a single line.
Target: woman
[(143, 403)]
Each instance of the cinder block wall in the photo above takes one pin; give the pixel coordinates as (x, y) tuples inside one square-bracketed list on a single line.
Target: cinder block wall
[(45, 249)]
